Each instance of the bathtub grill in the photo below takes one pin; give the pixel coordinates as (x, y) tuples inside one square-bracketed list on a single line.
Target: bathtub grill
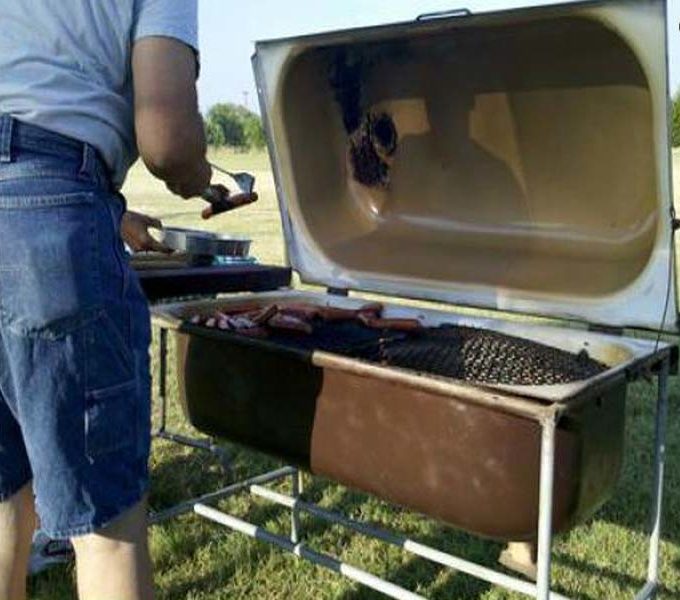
[(516, 162)]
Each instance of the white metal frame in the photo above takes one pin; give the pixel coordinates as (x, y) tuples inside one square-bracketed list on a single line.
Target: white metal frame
[(541, 590)]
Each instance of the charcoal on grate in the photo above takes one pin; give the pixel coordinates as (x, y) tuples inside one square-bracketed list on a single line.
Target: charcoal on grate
[(485, 357), (341, 337)]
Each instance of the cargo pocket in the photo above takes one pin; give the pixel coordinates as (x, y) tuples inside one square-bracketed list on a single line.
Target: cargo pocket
[(111, 419), (112, 390)]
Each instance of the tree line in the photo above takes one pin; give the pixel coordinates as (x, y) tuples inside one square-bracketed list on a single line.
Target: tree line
[(235, 126), (232, 125), (676, 121)]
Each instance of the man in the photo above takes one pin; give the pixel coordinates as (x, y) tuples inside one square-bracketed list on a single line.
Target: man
[(85, 85)]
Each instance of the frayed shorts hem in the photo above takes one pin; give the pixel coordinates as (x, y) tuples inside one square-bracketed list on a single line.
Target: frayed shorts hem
[(97, 524), (13, 491)]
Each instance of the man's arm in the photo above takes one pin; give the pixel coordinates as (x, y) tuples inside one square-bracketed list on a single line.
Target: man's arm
[(169, 127)]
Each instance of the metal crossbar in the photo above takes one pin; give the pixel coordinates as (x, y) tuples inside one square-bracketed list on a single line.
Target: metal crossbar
[(406, 544)]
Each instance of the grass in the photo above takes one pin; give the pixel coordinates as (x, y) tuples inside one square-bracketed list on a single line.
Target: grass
[(604, 558)]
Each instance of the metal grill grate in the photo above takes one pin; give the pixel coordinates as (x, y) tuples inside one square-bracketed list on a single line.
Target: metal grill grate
[(463, 353), (484, 357)]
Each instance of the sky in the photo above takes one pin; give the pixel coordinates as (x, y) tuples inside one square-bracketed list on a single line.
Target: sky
[(228, 29)]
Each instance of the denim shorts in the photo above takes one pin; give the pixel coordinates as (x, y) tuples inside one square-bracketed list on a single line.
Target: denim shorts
[(74, 336)]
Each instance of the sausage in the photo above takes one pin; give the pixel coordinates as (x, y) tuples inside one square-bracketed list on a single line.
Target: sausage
[(393, 324), (262, 316), (330, 313), (242, 310), (227, 203), (290, 323), (374, 308), (302, 311), (307, 311)]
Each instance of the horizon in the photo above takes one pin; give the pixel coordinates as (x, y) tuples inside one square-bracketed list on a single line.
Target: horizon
[(230, 79)]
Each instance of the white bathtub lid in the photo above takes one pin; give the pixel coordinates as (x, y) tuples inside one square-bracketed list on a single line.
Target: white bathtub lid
[(649, 302)]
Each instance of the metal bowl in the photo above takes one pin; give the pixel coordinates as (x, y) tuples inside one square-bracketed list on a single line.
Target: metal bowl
[(205, 243)]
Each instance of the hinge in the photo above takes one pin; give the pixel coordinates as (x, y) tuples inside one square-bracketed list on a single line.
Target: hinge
[(338, 291), (675, 222), (445, 14), (607, 329)]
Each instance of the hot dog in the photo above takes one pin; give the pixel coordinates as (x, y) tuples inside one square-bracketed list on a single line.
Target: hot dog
[(228, 203), (262, 316), (289, 323), (302, 311), (374, 308), (393, 324)]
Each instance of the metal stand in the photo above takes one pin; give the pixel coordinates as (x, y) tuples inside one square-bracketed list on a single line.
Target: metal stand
[(650, 589), (162, 433), (294, 544)]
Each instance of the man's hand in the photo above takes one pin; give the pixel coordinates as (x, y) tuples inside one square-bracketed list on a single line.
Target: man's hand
[(134, 229)]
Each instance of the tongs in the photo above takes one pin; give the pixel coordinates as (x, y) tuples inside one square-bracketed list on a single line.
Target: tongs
[(222, 201)]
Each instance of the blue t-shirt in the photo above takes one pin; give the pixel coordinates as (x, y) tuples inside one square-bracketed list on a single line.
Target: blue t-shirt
[(65, 65)]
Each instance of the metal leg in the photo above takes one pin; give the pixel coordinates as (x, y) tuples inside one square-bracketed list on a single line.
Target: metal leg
[(295, 532), (162, 432), (659, 467), (545, 514), (162, 379)]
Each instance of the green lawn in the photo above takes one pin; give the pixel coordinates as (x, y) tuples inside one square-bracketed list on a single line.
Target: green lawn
[(604, 558)]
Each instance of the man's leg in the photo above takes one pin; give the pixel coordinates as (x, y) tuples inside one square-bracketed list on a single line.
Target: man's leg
[(17, 523), (114, 563)]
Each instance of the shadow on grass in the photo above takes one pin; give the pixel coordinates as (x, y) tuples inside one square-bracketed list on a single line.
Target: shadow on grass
[(599, 571), (630, 506), (441, 582), (57, 583), (270, 516), (183, 474)]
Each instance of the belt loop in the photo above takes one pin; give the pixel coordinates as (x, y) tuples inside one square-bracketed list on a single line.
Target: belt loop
[(6, 128), (87, 170)]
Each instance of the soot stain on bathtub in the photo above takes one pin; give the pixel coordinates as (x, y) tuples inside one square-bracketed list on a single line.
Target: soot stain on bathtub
[(347, 72), (372, 138), (367, 153), (384, 133)]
